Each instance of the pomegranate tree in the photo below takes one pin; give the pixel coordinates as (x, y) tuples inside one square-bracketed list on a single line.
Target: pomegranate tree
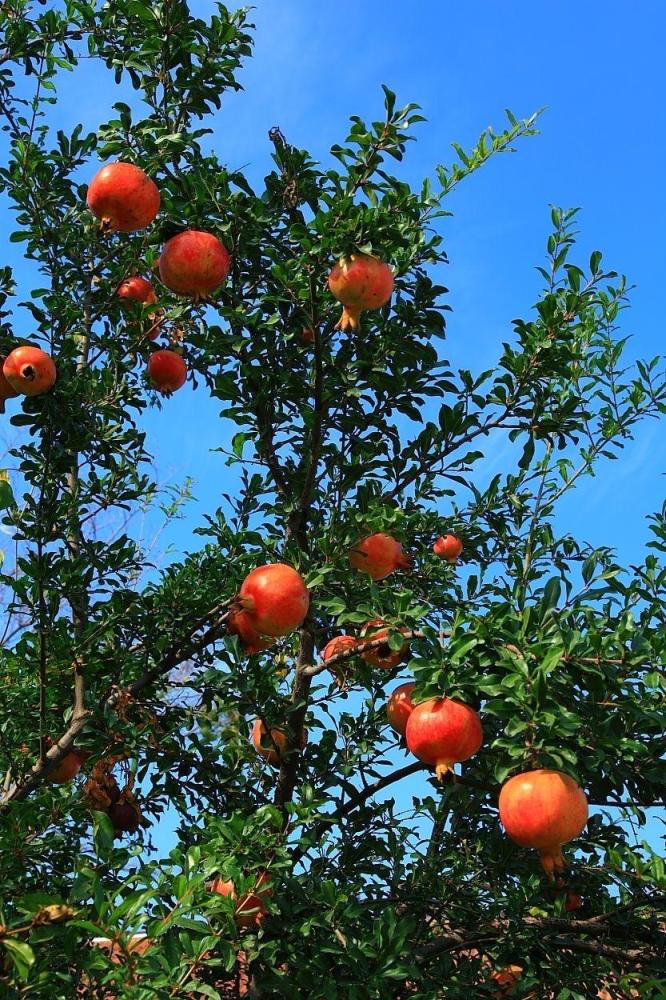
[(359, 282), (275, 598), (123, 197), (399, 707), (194, 263), (167, 371), (543, 809), (379, 555), (30, 371), (442, 732)]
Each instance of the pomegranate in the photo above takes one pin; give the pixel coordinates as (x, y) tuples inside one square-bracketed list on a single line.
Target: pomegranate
[(399, 707), (167, 371), (573, 902), (543, 809), (29, 370), (443, 731), (240, 624), (123, 197), (276, 599), (381, 656), (378, 555), (307, 335), (251, 907), (340, 644), (271, 747), (507, 980), (359, 282), (7, 391), (448, 547), (194, 263), (137, 289), (136, 944), (125, 814), (68, 768)]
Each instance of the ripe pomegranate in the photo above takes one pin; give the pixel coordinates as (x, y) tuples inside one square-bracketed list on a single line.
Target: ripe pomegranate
[(399, 707), (442, 732), (194, 263), (68, 768), (29, 370), (271, 747), (241, 624), (136, 944), (381, 656), (378, 555), (543, 809), (7, 391), (138, 289), (125, 814), (276, 599), (507, 979), (251, 907), (448, 547), (123, 197), (307, 335), (340, 644), (573, 902), (167, 371), (359, 282)]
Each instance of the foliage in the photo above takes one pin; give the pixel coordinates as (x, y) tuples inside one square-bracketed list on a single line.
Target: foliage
[(558, 645)]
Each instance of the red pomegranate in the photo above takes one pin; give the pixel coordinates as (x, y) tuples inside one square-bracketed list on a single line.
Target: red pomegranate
[(399, 707), (29, 371), (167, 371), (359, 282), (381, 656), (271, 747), (340, 644), (543, 809), (125, 814), (123, 197), (275, 598), (378, 555), (7, 391), (448, 547), (507, 980), (137, 289), (251, 907), (68, 768), (442, 732), (194, 263), (241, 624), (307, 334), (573, 902)]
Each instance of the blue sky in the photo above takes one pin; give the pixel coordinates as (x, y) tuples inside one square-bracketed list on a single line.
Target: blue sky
[(595, 67)]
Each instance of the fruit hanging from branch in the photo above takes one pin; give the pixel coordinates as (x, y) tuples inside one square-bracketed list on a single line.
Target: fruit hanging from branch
[(241, 624), (123, 197), (442, 732), (382, 656), (167, 371), (140, 290), (400, 706), (379, 555), (448, 547), (7, 391), (251, 907), (275, 598), (67, 768), (194, 263), (543, 809), (271, 745), (30, 371), (359, 282), (125, 814), (336, 647)]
